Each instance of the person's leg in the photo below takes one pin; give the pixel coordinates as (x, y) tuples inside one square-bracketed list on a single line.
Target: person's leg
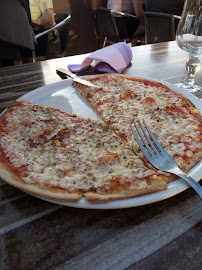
[(8, 54), (6, 63)]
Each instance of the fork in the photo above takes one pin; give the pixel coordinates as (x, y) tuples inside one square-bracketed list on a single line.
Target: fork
[(158, 157)]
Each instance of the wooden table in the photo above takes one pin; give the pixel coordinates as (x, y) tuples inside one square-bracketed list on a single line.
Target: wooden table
[(35, 234)]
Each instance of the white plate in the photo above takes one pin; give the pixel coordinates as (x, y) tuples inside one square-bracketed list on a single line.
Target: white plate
[(62, 95)]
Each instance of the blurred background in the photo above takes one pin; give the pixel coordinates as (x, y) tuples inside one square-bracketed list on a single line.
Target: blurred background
[(84, 30)]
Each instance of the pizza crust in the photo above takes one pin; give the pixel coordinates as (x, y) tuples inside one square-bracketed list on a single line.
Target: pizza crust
[(60, 194), (14, 180), (126, 193)]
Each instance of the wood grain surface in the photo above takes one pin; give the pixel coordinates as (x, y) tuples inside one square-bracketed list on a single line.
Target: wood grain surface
[(35, 234)]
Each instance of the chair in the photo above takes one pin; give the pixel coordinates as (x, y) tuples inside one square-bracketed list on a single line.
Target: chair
[(48, 49), (160, 27), (113, 27)]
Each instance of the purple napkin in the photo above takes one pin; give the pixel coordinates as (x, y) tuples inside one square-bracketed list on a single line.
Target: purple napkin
[(112, 59)]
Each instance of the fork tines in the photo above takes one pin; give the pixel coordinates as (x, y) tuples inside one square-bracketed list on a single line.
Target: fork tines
[(158, 157), (147, 143)]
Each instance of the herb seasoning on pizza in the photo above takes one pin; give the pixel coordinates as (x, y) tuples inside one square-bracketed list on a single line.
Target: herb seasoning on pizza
[(61, 156), (122, 99)]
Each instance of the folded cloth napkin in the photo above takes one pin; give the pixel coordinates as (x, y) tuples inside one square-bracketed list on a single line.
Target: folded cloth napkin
[(112, 59)]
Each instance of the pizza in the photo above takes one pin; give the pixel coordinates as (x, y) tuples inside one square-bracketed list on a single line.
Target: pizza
[(61, 156), (122, 100)]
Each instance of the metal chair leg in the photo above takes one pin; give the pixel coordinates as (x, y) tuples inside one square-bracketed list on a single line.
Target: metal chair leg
[(104, 43), (33, 56)]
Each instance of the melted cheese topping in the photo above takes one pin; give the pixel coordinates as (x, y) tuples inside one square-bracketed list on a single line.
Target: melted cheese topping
[(123, 101), (47, 146)]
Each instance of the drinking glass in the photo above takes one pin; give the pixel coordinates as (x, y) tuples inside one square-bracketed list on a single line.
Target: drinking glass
[(189, 38)]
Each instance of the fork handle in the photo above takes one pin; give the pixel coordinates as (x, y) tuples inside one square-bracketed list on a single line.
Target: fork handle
[(196, 186)]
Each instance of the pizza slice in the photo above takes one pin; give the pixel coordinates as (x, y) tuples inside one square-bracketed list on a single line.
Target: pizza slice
[(122, 99), (61, 156)]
